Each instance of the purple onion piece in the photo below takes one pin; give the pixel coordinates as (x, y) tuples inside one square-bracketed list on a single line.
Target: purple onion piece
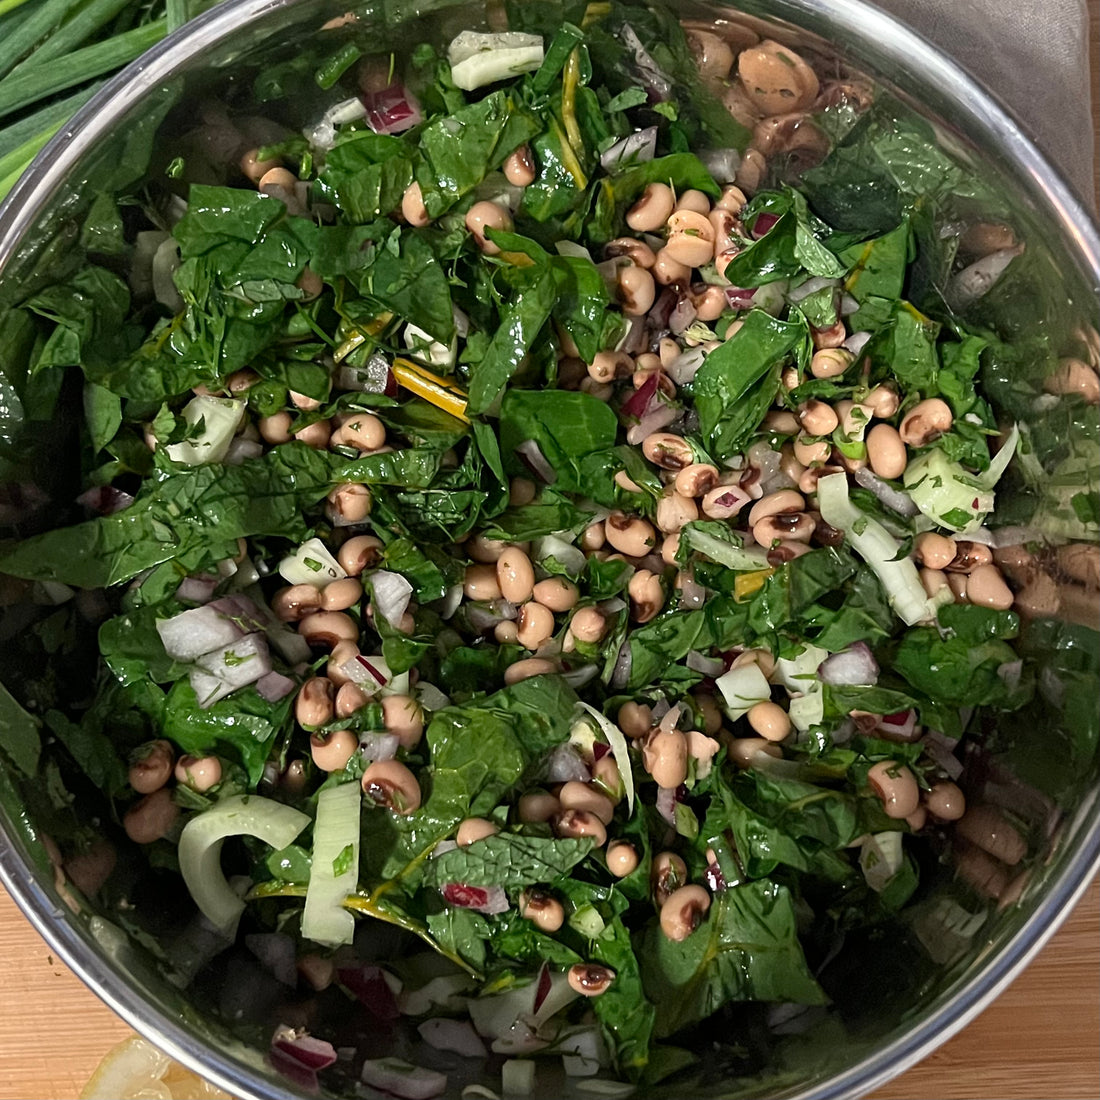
[(682, 316), (276, 951), (392, 110), (530, 454), (482, 899), (105, 500), (274, 686), (565, 764), (708, 666), (368, 985), (197, 589), (379, 746), (390, 595), (853, 666), (636, 148)]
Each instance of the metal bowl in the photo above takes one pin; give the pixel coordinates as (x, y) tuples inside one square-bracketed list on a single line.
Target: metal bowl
[(968, 962)]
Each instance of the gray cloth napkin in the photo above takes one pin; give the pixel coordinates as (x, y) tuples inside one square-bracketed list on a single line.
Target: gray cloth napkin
[(1034, 55)]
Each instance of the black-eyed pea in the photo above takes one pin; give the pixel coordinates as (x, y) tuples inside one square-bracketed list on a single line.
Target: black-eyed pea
[(670, 547), (988, 829), (665, 757), (675, 512), (590, 979), (535, 625), (485, 550), (969, 556), (515, 575), (350, 697), (242, 381), (883, 402), (332, 751), (506, 632), (574, 824), (774, 504), (752, 171), (403, 716), (413, 209), (684, 911), (593, 537), (696, 480), (725, 226), (652, 210), (359, 553), (818, 418), (781, 422), (668, 351), (636, 290), (605, 773), (886, 453), (713, 55), (607, 366), (945, 801), (786, 527), (933, 581), (473, 829), (690, 239), (985, 587), (917, 819), (275, 429), (151, 766), (896, 787), (557, 593), (647, 595), (635, 719), (328, 628), (831, 336), (255, 169), (316, 435), (807, 483), (982, 238), (483, 216), (519, 167), (933, 550), (709, 304), (770, 721), (776, 79), (480, 582), (294, 603), (812, 452), (361, 430), (622, 858), (668, 451), (152, 817), (638, 252), (831, 362), (957, 583), (389, 784), (521, 491), (667, 874), (342, 594), (1081, 562), (315, 705), (524, 670), (350, 503), (1073, 376), (742, 750), (764, 660), (626, 483), (667, 270), (732, 199), (789, 466), (782, 551), (543, 910), (692, 595), (576, 795), (537, 807), (694, 201), (588, 625), (630, 535), (925, 422)]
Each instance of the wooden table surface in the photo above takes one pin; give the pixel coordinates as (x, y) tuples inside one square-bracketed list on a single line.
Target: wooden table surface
[(1039, 1041)]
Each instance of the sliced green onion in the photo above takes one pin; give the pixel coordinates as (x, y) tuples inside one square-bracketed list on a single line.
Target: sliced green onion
[(877, 547), (619, 750), (334, 872), (945, 493), (200, 850)]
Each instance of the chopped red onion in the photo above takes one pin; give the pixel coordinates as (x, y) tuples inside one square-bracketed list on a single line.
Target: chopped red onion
[(571, 558), (369, 672), (620, 674), (937, 749), (299, 1055), (740, 298), (530, 454), (713, 877), (104, 500), (453, 1035), (274, 686), (853, 666), (683, 368), (241, 450), (984, 536), (763, 224), (545, 984), (565, 764), (636, 148), (390, 595), (656, 84), (451, 602), (568, 248), (368, 985), (482, 899), (722, 164), (635, 340), (810, 286), (520, 1038), (682, 316), (670, 718), (483, 617), (638, 403), (708, 666), (901, 727), (190, 634), (222, 671), (848, 305), (392, 110), (856, 342), (666, 804), (662, 309), (379, 746), (403, 1079), (197, 589), (276, 951), (894, 499), (653, 421)]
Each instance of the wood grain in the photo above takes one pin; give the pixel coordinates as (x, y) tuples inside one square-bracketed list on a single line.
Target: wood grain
[(1041, 1038)]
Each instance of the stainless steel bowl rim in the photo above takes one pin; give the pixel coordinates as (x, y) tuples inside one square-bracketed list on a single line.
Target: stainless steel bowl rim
[(987, 117)]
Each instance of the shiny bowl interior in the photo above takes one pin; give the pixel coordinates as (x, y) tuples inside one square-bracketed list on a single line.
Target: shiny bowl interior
[(913, 1001)]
